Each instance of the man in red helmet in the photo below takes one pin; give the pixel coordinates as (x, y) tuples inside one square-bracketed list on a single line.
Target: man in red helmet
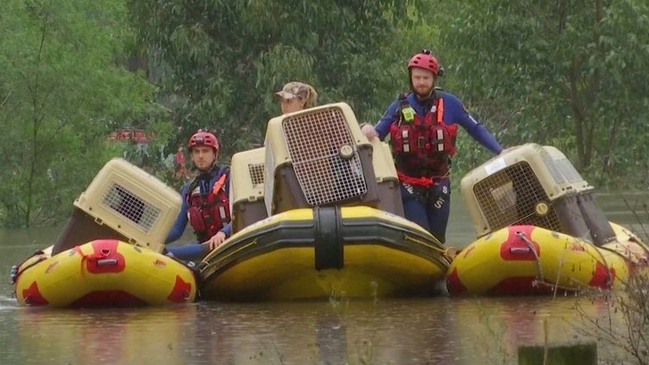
[(423, 126), (205, 200)]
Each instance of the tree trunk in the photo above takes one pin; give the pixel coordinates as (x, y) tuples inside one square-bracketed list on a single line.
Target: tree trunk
[(577, 111), (38, 117), (612, 131)]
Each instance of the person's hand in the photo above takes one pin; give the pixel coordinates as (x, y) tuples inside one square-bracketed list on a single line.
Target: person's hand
[(369, 131), (215, 241)]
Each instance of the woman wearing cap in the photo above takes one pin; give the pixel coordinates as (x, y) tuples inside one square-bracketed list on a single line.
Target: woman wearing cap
[(296, 96), (205, 200)]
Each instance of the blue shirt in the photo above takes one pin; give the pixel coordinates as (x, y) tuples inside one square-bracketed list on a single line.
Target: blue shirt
[(205, 186), (454, 113)]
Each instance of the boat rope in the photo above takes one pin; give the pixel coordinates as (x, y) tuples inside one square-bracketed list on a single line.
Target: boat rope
[(448, 252), (555, 286), (36, 258), (210, 263), (530, 245), (539, 272)]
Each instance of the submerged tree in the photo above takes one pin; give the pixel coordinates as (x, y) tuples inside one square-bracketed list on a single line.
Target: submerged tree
[(625, 326)]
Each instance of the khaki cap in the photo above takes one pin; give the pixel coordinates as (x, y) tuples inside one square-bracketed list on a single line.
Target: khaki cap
[(294, 89)]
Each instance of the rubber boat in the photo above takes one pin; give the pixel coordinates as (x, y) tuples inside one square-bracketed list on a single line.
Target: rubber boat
[(539, 230), (317, 213), (104, 272), (326, 252), (109, 254)]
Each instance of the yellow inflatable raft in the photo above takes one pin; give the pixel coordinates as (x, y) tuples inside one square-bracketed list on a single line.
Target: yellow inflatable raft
[(103, 273), (325, 252), (530, 260), (317, 213), (539, 229), (109, 252)]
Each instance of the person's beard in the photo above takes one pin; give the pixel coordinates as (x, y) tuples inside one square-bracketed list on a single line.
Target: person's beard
[(425, 95)]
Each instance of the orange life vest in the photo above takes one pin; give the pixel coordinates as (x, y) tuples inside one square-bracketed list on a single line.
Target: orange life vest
[(208, 213)]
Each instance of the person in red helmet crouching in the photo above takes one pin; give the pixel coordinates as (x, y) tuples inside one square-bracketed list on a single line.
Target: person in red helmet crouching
[(422, 125), (205, 200)]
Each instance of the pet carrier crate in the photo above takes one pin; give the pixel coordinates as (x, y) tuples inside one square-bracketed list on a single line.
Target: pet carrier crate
[(123, 202), (533, 185), (247, 188), (319, 157), (600, 229)]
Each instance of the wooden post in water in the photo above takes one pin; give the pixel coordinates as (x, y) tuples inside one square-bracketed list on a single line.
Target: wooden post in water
[(578, 354)]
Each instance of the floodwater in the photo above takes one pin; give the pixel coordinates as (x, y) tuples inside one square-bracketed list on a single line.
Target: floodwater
[(438, 330)]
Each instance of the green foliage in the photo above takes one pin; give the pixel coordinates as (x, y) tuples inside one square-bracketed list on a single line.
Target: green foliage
[(61, 92), (568, 73), (572, 74), (225, 59)]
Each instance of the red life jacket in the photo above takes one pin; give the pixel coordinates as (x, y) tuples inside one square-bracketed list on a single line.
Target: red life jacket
[(208, 213), (422, 145)]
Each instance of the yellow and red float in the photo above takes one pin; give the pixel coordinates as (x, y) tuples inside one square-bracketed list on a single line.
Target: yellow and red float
[(318, 215), (110, 252), (532, 260), (104, 272), (539, 230)]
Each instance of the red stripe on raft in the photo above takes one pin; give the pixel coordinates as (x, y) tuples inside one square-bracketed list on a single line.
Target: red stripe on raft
[(105, 258), (33, 296), (181, 291), (453, 283), (108, 298), (601, 276), (515, 248)]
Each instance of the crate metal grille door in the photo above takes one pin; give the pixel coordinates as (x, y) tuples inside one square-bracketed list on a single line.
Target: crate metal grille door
[(257, 172), (510, 196), (131, 207), (316, 144)]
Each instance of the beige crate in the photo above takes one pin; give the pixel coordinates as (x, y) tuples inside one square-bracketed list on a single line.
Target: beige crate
[(247, 174), (386, 178), (519, 185), (568, 171), (250, 176), (132, 203), (318, 157)]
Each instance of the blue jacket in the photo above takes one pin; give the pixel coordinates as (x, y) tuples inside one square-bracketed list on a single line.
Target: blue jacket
[(193, 250), (454, 113)]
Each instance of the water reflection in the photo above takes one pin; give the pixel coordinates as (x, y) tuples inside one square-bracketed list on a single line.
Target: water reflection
[(355, 332), (438, 330), (101, 336), (425, 331)]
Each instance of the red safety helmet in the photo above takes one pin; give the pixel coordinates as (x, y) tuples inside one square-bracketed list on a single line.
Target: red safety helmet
[(203, 138), (426, 61)]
